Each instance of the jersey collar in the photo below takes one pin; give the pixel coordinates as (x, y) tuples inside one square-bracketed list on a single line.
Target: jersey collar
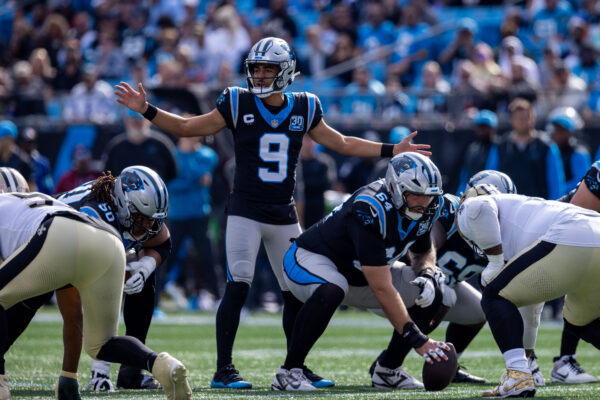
[(275, 120)]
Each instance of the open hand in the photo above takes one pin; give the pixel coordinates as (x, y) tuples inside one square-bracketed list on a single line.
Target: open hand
[(133, 99)]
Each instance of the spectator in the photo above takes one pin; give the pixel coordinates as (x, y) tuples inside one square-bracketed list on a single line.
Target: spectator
[(395, 103), (11, 156), (563, 124), (90, 100), (550, 56), (21, 41), (432, 90), (82, 31), (167, 43), (587, 67), (70, 66), (477, 155), (81, 171), (189, 211), (39, 163), (140, 145), (360, 97), (136, 42), (527, 156), (461, 47), (228, 41), (577, 38), (512, 47), (551, 21), (567, 89), (519, 85), (108, 59), (467, 91), (52, 35), (319, 173), (28, 91), (374, 34), (42, 70), (342, 21), (343, 51), (279, 23)]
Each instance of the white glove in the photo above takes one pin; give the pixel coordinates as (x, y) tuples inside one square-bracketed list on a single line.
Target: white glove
[(448, 293), (100, 377), (490, 272), (427, 295), (143, 268)]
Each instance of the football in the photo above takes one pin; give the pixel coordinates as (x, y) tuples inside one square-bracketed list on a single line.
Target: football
[(438, 375)]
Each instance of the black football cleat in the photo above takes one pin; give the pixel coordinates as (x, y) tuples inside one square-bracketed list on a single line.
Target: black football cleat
[(228, 377), (316, 380), (463, 376), (133, 378), (67, 389)]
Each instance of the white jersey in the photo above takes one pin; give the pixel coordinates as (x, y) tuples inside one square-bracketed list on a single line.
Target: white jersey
[(523, 220), (21, 215)]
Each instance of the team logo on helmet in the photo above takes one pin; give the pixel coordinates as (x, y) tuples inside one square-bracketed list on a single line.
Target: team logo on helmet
[(131, 181), (404, 164)]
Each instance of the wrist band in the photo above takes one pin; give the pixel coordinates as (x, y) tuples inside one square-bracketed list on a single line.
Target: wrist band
[(387, 150), (413, 335), (150, 112)]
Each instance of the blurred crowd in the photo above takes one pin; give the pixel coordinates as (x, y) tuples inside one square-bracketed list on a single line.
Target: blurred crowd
[(382, 58)]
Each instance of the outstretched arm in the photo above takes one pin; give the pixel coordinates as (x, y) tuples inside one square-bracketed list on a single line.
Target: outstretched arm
[(201, 125), (354, 146)]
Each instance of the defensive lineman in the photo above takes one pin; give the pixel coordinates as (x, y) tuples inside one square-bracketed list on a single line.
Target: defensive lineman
[(46, 245), (267, 126), (538, 238)]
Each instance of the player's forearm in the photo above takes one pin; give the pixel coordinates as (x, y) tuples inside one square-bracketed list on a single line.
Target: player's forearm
[(171, 123), (354, 146), (421, 261), (392, 306)]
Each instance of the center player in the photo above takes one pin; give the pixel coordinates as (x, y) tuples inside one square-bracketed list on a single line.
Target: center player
[(267, 127)]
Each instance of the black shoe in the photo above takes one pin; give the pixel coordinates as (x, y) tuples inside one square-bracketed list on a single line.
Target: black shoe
[(463, 376), (228, 377), (133, 378), (67, 389), (315, 379)]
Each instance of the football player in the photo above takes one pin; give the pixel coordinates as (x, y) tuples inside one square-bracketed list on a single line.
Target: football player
[(135, 203), (566, 369), (526, 238), (47, 245), (267, 126), (351, 249)]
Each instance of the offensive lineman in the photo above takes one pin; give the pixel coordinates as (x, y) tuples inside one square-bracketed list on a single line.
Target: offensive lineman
[(335, 260), (267, 127), (47, 245)]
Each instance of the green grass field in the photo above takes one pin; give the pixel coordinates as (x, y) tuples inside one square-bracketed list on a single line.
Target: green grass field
[(344, 354)]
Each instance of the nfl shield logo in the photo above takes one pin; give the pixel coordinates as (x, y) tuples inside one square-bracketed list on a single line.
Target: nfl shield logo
[(274, 123)]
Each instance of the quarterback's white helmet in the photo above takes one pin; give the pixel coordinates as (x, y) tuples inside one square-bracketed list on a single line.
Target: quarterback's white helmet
[(11, 180), (412, 173), (491, 177), (271, 50), (140, 190)]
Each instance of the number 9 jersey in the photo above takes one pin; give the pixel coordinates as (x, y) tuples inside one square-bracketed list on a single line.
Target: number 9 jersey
[(456, 258), (267, 144)]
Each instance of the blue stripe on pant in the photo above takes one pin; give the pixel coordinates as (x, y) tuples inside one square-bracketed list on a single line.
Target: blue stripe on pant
[(295, 271)]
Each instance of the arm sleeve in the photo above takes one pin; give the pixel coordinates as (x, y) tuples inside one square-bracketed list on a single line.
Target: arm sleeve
[(224, 107), (555, 173), (592, 180), (478, 221)]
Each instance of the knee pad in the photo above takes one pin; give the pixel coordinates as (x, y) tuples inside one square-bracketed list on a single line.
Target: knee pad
[(241, 271)]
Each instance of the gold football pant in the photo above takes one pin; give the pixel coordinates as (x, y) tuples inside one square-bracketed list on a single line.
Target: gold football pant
[(67, 251)]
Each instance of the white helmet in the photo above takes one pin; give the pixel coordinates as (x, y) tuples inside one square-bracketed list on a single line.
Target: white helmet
[(271, 50), (140, 190), (413, 173), (11, 180), (495, 178)]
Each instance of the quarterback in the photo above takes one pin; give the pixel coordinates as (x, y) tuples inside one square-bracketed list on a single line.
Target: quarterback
[(267, 126)]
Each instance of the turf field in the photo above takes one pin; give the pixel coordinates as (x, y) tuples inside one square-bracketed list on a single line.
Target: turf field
[(344, 354)]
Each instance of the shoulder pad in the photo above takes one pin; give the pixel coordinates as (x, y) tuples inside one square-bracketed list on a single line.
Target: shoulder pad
[(369, 211), (448, 214), (89, 211), (311, 100)]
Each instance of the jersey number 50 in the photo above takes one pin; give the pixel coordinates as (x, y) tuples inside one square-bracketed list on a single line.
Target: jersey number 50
[(273, 148)]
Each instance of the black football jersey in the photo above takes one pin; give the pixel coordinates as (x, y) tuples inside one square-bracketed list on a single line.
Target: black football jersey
[(592, 181), (456, 258), (79, 199), (267, 144), (367, 230)]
